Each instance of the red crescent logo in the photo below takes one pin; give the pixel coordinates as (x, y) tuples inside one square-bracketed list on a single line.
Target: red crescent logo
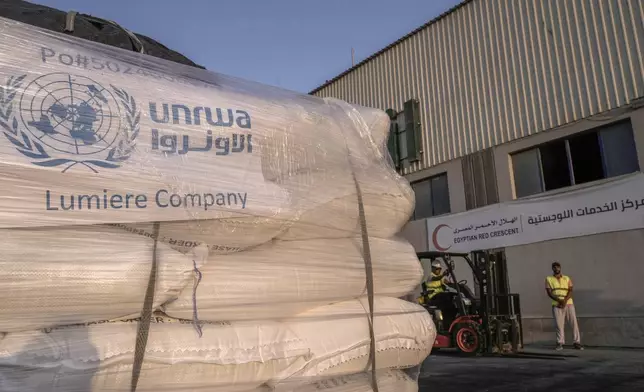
[(435, 238)]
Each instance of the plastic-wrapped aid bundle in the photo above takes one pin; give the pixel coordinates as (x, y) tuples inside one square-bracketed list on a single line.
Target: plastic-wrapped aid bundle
[(132, 184), (125, 140)]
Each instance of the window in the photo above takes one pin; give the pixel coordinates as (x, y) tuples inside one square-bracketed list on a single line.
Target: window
[(432, 197), (585, 157), (404, 134)]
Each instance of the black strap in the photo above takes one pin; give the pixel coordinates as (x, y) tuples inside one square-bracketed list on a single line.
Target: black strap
[(368, 266), (146, 315)]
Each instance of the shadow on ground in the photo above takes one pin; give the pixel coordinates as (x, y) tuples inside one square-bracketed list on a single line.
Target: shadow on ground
[(587, 371)]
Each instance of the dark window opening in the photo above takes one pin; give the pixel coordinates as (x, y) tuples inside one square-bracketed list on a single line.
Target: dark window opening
[(586, 158), (432, 197), (589, 156), (423, 195), (554, 163), (440, 195)]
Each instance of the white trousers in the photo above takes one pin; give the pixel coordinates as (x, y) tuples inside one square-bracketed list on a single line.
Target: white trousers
[(562, 315)]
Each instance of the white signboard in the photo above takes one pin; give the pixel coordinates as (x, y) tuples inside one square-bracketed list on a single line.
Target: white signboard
[(613, 206)]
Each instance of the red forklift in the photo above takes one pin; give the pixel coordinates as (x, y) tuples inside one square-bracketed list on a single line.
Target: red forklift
[(482, 320)]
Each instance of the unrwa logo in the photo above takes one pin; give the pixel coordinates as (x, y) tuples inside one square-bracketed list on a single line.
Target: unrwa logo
[(68, 120)]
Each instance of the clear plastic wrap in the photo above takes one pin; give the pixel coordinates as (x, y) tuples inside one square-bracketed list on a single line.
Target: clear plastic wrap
[(169, 228), (283, 278)]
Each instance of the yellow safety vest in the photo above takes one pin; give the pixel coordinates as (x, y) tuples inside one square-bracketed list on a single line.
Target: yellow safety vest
[(559, 287), (434, 287)]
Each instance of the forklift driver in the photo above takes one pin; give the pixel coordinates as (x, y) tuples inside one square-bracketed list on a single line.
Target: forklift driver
[(437, 283)]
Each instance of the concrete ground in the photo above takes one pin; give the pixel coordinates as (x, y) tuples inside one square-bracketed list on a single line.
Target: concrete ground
[(590, 370)]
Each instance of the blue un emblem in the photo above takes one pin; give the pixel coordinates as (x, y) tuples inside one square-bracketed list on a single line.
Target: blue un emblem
[(67, 120)]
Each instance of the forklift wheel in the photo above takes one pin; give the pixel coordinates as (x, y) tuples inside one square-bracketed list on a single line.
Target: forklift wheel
[(468, 338)]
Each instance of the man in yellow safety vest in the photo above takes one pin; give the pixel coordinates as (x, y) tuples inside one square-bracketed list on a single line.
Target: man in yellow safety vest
[(559, 289), (435, 284)]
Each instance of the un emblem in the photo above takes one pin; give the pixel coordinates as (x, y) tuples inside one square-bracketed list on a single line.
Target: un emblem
[(67, 120)]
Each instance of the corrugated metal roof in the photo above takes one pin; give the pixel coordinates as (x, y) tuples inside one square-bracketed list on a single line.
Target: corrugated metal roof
[(386, 48), (496, 71)]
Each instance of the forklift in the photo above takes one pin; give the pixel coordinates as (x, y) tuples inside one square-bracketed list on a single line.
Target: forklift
[(488, 322)]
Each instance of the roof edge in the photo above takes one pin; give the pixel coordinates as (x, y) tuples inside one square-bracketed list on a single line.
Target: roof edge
[(391, 45)]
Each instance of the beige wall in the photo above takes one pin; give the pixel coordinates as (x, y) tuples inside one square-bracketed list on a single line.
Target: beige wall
[(607, 271)]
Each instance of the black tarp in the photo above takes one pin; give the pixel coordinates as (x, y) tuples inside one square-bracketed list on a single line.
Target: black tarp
[(87, 27)]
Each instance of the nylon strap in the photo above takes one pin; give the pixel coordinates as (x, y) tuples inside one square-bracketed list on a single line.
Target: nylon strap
[(70, 19), (368, 266), (143, 329)]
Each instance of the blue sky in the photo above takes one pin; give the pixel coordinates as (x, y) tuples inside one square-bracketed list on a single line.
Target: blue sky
[(294, 44)]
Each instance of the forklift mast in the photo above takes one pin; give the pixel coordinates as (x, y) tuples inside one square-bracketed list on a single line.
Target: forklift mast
[(482, 266), (495, 298)]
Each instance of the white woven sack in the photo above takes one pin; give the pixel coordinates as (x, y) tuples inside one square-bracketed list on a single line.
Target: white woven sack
[(327, 204), (387, 380), (282, 278), (326, 200), (338, 336), (329, 342), (375, 120), (369, 127), (53, 276), (99, 357)]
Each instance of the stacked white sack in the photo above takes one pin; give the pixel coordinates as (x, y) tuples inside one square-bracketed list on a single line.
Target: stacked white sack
[(338, 336), (99, 357), (328, 342), (201, 152), (326, 200), (327, 203), (344, 135), (55, 276), (282, 278), (388, 381), (376, 121)]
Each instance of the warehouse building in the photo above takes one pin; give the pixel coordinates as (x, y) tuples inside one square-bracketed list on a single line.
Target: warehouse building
[(503, 105)]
